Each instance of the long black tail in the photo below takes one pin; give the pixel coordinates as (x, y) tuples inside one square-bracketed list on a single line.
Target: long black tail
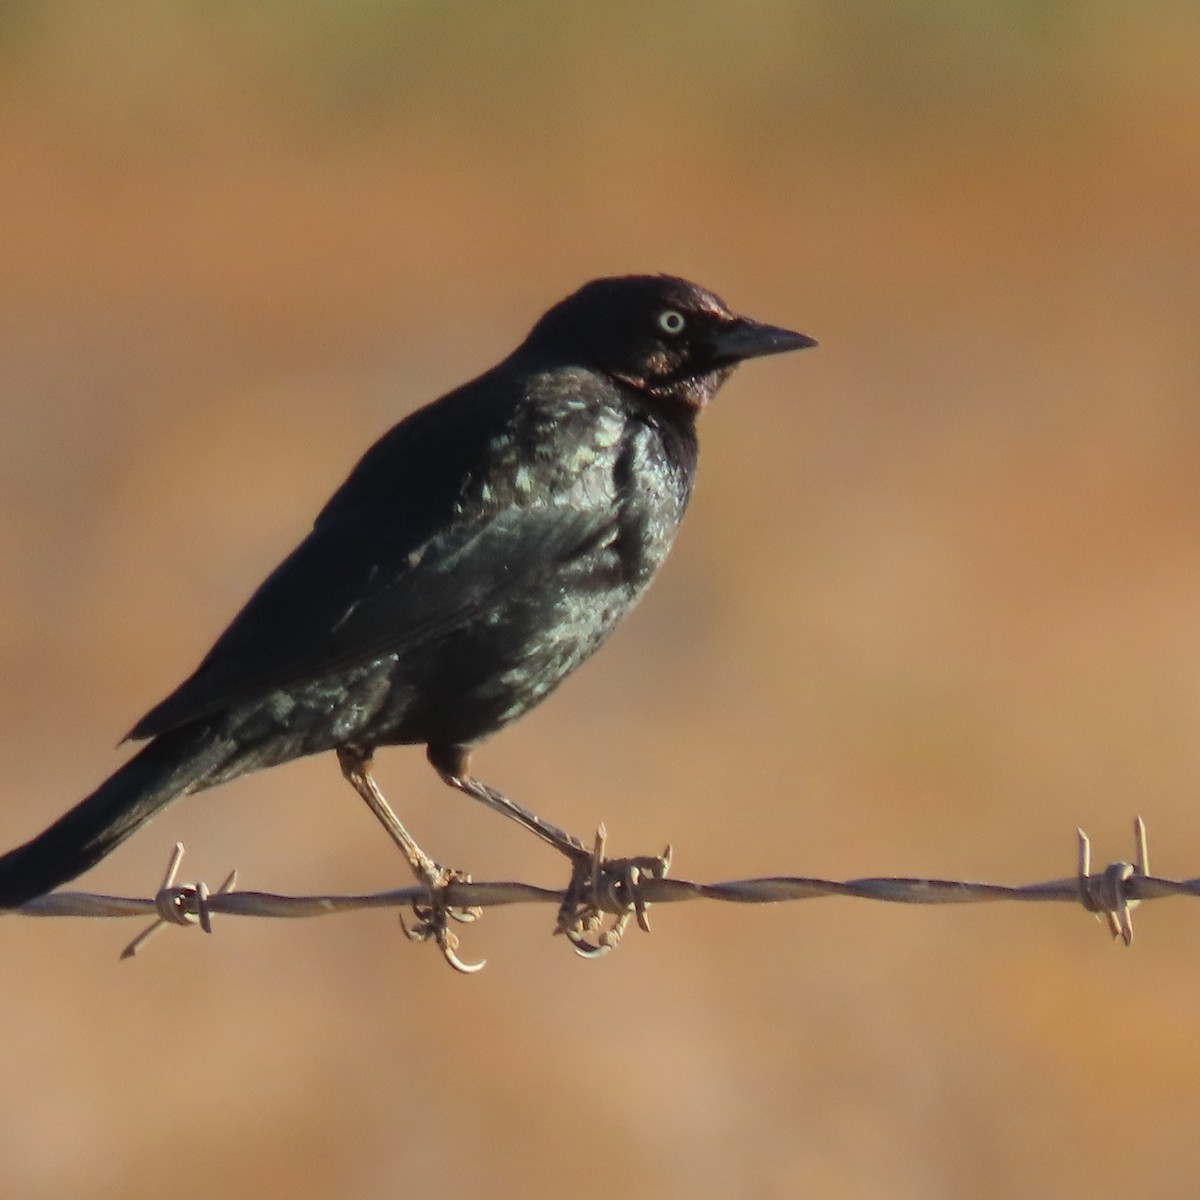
[(173, 764)]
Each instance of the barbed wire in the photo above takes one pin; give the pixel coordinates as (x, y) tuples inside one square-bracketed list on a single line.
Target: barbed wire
[(1111, 893)]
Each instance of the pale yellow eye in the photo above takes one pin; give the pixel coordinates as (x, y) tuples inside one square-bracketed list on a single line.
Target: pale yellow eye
[(670, 321)]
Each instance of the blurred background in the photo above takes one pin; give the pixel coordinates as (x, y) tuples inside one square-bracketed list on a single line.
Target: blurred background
[(936, 603)]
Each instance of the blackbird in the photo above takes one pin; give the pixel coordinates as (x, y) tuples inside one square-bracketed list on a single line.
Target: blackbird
[(476, 555)]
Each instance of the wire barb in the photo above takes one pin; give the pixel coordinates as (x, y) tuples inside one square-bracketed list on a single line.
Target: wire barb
[(605, 894), (1109, 893), (186, 905), (603, 888)]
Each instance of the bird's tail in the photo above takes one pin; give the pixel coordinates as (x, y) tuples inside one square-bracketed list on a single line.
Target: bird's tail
[(176, 762)]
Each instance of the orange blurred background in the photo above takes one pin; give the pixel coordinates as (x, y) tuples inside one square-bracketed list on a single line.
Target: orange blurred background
[(936, 603)]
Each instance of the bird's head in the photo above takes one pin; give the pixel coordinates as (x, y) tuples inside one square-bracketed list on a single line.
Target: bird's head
[(656, 334)]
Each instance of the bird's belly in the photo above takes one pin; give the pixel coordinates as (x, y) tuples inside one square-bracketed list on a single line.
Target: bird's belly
[(482, 677), (457, 689)]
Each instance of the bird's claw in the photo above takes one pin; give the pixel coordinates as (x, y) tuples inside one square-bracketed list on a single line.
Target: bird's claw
[(433, 917), (604, 893)]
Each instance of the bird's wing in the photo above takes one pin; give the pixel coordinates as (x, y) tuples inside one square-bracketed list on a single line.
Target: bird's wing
[(412, 546), (337, 602)]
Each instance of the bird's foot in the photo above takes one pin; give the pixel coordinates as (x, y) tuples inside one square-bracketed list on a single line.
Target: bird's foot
[(604, 893), (433, 916)]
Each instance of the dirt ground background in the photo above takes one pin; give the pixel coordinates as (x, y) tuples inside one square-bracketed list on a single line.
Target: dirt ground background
[(937, 601)]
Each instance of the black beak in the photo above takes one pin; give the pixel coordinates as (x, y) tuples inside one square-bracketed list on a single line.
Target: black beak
[(744, 338)]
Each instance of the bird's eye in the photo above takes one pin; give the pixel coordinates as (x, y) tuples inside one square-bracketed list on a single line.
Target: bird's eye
[(670, 321)]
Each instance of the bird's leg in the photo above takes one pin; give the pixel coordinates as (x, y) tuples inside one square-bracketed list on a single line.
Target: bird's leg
[(598, 886), (452, 764), (356, 767), (432, 918)]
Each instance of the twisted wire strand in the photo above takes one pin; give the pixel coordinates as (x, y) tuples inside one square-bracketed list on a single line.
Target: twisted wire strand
[(1111, 892)]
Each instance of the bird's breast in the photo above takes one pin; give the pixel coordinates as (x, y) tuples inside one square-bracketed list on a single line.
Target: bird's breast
[(652, 482)]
